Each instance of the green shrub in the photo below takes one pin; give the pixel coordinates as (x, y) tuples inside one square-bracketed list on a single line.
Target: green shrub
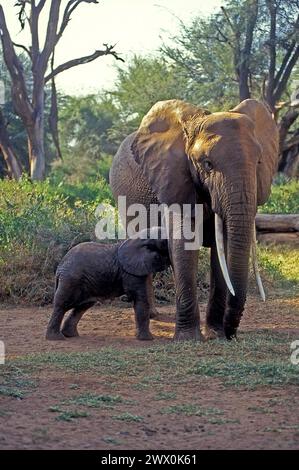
[(284, 199), (38, 223)]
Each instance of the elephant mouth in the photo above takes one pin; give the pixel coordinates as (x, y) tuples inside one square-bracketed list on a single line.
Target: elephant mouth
[(222, 260)]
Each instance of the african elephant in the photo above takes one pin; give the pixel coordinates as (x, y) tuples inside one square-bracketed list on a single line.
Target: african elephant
[(224, 160), (92, 271)]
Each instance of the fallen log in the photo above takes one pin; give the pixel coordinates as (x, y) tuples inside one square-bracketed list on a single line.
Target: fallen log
[(277, 222), (291, 238)]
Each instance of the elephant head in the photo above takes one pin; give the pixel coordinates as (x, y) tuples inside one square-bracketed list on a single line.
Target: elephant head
[(145, 253), (225, 160)]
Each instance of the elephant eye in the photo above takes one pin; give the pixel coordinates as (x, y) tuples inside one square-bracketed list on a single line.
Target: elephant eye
[(207, 164)]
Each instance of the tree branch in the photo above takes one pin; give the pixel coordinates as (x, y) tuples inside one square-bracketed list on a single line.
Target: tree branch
[(21, 46), (236, 33), (33, 23), (284, 63), (69, 9), (286, 75), (40, 6), (225, 38), (19, 90), (53, 116), (12, 163), (83, 60), (51, 35), (272, 52)]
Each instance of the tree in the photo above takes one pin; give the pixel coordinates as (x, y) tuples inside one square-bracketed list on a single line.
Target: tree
[(14, 128), (31, 106), (13, 166), (143, 82), (247, 49), (84, 123)]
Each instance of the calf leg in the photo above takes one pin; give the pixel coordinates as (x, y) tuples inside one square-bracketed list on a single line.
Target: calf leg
[(70, 325), (53, 329)]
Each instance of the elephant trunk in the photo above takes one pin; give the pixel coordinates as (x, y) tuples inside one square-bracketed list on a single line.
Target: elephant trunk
[(239, 224)]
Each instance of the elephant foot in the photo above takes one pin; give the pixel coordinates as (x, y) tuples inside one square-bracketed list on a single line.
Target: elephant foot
[(210, 332), (144, 336), (70, 331), (230, 332), (54, 336), (193, 334)]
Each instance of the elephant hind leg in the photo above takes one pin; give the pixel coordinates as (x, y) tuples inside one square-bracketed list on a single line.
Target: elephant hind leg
[(63, 301), (70, 325)]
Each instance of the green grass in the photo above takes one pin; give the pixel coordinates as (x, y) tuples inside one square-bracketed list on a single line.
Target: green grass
[(165, 396), (258, 359), (112, 440), (280, 264), (96, 401), (128, 418), (14, 382), (190, 409), (71, 415), (67, 414)]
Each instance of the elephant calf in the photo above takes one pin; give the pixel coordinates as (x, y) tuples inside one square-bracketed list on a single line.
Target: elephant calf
[(92, 271)]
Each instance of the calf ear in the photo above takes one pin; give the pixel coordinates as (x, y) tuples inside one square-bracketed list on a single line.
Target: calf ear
[(140, 257)]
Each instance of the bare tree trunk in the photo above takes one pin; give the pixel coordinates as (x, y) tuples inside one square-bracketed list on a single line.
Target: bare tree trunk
[(285, 123), (35, 131), (13, 166), (242, 55), (36, 150), (244, 92)]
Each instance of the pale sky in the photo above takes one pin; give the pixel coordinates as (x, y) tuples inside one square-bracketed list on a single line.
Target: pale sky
[(135, 25)]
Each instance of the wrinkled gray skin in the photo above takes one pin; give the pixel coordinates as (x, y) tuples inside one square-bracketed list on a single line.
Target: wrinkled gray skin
[(92, 271), (182, 154)]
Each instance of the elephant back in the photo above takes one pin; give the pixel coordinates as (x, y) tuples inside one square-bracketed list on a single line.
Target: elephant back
[(126, 177), (159, 149)]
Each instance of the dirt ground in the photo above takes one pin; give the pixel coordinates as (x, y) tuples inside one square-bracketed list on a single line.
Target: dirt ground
[(147, 416)]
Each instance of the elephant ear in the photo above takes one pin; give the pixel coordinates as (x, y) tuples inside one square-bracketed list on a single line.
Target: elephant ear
[(141, 257), (266, 134), (159, 148)]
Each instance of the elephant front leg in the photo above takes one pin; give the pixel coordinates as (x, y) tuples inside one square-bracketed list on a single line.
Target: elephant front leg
[(185, 265), (217, 299)]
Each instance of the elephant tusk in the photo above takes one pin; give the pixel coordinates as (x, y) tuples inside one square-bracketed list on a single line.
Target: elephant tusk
[(256, 267), (221, 252)]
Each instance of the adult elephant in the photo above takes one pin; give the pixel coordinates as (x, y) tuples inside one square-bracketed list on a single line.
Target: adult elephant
[(226, 160)]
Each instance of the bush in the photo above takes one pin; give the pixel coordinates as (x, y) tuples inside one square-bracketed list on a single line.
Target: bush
[(284, 198), (38, 224)]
